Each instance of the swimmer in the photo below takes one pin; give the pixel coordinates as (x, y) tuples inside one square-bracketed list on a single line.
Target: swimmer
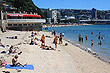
[(91, 32), (100, 43)]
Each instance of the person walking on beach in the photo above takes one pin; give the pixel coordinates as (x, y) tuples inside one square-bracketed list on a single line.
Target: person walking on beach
[(43, 40), (52, 32), (91, 42), (60, 38), (55, 41)]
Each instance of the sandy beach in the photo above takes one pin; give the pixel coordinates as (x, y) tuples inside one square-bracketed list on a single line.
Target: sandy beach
[(66, 59)]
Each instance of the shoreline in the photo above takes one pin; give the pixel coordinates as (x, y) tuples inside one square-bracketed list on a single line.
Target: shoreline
[(66, 59), (90, 51), (63, 25)]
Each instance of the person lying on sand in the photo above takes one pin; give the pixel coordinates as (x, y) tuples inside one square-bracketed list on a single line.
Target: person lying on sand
[(33, 42), (1, 44), (11, 50), (47, 47), (15, 62)]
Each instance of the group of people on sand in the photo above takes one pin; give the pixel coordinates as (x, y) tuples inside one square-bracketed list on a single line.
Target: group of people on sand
[(15, 59), (86, 37), (34, 39), (43, 44), (55, 41)]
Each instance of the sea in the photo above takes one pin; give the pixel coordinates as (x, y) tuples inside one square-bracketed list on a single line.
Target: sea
[(71, 33)]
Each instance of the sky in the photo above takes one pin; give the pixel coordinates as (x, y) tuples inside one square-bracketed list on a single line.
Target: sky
[(73, 4)]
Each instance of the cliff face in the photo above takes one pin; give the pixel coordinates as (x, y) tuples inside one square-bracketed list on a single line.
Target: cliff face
[(25, 5)]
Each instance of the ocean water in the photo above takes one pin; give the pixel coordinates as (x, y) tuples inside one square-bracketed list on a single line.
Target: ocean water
[(72, 33)]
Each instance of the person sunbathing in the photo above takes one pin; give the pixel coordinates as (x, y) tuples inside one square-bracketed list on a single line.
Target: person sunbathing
[(11, 50), (47, 47), (1, 44), (15, 62)]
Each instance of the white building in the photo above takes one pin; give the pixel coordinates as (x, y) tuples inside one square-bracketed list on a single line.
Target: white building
[(54, 16), (21, 21)]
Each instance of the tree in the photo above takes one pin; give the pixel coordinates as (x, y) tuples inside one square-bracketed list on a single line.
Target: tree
[(58, 20), (52, 20)]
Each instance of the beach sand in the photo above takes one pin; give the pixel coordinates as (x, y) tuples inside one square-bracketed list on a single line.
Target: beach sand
[(66, 59)]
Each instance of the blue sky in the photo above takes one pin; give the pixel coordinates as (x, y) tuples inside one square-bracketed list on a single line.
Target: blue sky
[(73, 4)]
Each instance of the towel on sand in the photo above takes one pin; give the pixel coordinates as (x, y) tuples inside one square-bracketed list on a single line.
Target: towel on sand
[(30, 67)]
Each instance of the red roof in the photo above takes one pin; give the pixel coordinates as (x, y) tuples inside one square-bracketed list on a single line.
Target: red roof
[(22, 15)]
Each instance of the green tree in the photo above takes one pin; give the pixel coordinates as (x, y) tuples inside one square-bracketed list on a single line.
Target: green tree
[(58, 20)]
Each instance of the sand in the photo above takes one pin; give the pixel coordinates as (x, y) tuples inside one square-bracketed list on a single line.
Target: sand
[(66, 59)]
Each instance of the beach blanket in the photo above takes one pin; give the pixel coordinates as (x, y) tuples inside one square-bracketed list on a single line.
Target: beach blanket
[(43, 49), (30, 67)]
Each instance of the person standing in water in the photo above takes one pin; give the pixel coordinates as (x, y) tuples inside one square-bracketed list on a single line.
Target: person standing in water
[(91, 42), (100, 43), (86, 37), (99, 36), (91, 32), (54, 33), (79, 36), (60, 38)]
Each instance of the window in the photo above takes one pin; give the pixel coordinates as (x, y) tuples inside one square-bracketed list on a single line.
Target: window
[(20, 25), (9, 24), (14, 24), (32, 24), (28, 24), (25, 25)]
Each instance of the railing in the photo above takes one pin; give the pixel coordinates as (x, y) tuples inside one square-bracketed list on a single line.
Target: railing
[(21, 21)]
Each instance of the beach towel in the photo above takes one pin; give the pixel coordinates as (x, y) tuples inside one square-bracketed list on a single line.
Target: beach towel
[(43, 49), (29, 67)]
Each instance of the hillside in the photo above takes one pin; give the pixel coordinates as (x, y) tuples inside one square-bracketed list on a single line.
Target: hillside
[(25, 5)]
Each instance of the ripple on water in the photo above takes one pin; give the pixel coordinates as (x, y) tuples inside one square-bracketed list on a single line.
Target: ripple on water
[(104, 52), (104, 48)]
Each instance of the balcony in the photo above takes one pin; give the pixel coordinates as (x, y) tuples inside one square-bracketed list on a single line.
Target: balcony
[(25, 21)]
